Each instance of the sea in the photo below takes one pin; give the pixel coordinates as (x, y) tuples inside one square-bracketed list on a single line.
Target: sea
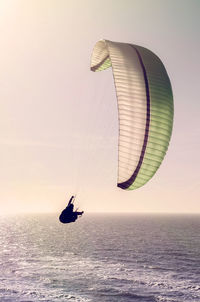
[(100, 258)]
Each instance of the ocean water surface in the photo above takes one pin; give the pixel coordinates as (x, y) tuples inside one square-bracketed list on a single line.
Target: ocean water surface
[(100, 258)]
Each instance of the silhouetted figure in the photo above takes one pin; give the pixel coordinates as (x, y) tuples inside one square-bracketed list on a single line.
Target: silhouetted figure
[(67, 214)]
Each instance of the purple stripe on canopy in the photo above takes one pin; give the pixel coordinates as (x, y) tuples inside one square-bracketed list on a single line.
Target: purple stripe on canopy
[(129, 182)]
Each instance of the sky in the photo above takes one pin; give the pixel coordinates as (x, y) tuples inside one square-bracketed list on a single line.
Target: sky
[(58, 120)]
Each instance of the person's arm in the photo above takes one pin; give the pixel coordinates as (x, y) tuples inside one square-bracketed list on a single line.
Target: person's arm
[(70, 201)]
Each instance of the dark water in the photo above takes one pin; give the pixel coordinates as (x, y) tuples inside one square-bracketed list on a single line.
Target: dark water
[(100, 258)]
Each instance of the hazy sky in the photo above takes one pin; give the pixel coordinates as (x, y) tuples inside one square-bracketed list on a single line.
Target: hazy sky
[(58, 120)]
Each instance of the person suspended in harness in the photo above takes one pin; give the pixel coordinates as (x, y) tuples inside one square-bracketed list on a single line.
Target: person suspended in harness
[(68, 214)]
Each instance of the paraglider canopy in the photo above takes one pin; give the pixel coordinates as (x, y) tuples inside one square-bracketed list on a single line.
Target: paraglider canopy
[(145, 106)]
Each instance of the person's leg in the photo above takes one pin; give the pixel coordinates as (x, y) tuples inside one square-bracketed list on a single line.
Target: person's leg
[(79, 213)]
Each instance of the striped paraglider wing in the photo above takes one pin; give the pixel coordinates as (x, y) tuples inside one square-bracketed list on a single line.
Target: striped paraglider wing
[(145, 106)]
